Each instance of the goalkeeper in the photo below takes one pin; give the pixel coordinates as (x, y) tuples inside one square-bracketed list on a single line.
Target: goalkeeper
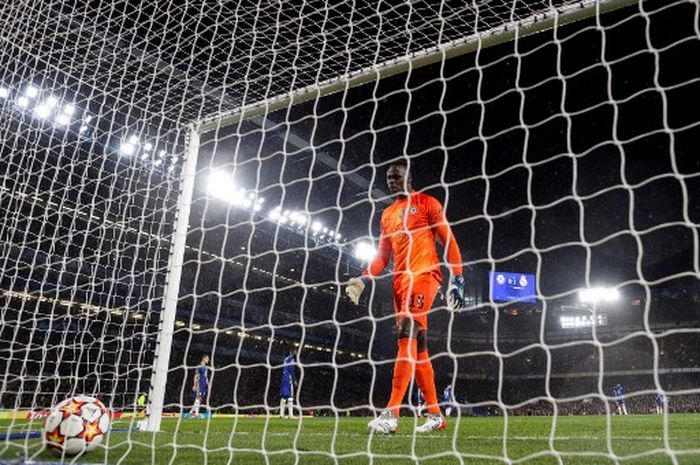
[(409, 228)]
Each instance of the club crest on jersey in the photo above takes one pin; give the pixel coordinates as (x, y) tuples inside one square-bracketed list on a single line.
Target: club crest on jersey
[(411, 211)]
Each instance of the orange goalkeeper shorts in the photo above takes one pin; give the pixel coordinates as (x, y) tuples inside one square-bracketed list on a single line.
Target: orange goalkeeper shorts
[(413, 298)]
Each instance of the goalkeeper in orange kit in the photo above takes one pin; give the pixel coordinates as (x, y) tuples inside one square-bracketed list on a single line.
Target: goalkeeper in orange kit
[(409, 229)]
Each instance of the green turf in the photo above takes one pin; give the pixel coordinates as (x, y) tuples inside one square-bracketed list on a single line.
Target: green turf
[(636, 439)]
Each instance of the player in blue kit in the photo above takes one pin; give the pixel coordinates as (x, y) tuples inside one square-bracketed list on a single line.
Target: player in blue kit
[(200, 386), (448, 400), (619, 393), (659, 400), (287, 386)]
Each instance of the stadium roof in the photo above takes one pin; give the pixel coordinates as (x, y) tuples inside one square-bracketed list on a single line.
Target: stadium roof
[(160, 65)]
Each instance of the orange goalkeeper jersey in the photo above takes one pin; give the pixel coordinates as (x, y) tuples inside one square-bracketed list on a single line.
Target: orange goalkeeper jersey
[(409, 228)]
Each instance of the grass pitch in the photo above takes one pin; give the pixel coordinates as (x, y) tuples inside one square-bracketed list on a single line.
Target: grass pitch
[(633, 440)]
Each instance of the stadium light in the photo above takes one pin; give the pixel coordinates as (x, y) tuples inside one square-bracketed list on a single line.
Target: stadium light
[(68, 109), (274, 214), (22, 102), (365, 251), (302, 219), (43, 111), (4, 92), (31, 91), (221, 186), (316, 226), (596, 295), (127, 148), (62, 119), (148, 146)]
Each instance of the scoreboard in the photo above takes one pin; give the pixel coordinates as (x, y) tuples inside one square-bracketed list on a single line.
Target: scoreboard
[(511, 287)]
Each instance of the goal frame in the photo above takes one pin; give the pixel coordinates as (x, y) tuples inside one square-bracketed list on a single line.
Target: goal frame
[(510, 31)]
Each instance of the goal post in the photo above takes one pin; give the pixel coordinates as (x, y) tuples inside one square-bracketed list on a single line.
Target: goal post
[(161, 361)]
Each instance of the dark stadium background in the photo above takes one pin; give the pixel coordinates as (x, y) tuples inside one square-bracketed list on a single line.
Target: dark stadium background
[(550, 160), (540, 173)]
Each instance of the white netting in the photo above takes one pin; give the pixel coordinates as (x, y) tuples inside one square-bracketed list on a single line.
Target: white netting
[(196, 178)]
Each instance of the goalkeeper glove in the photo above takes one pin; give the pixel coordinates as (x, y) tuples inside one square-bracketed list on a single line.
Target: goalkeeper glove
[(355, 287), (455, 293)]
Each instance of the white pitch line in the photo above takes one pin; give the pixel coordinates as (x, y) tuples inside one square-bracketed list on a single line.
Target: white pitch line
[(449, 436)]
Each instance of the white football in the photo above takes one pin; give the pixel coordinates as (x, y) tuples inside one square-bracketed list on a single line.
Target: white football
[(76, 425)]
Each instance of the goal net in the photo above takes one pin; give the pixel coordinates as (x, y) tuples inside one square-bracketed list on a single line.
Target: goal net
[(188, 187)]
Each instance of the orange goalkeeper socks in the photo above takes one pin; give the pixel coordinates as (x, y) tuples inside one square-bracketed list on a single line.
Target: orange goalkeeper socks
[(403, 372), (425, 378)]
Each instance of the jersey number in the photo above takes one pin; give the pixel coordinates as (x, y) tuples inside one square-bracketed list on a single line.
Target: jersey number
[(417, 301)]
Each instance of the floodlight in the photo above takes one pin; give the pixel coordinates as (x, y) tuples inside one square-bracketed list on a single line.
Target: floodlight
[(274, 213), (4, 92), (316, 226), (133, 140), (161, 153), (148, 146), (83, 128), (87, 119), (23, 102), (51, 102), (68, 109), (221, 185), (127, 148), (31, 91), (42, 111), (158, 162), (301, 218), (365, 251), (62, 119)]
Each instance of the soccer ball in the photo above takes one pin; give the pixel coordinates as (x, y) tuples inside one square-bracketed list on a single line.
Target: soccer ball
[(76, 425)]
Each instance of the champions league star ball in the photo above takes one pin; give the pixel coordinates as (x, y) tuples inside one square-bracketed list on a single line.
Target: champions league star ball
[(76, 425)]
